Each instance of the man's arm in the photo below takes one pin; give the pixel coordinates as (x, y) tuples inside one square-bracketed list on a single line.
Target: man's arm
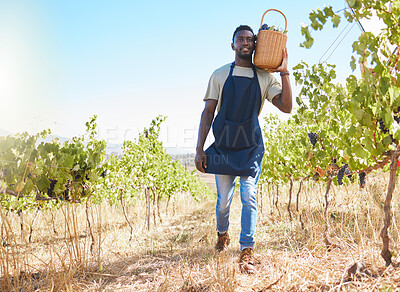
[(283, 101), (207, 117)]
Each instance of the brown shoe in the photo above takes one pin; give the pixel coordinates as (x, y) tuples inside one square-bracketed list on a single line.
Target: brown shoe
[(222, 242), (246, 261)]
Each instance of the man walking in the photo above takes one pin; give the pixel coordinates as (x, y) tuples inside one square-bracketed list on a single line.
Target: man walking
[(238, 90)]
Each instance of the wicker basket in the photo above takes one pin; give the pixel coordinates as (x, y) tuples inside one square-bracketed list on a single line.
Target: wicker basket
[(269, 46)]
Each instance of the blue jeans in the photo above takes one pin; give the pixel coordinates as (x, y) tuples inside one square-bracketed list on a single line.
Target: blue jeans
[(248, 195)]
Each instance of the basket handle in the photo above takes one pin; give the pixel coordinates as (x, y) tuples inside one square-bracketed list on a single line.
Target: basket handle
[(262, 19)]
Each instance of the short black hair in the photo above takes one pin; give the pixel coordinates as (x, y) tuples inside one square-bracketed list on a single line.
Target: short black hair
[(239, 28)]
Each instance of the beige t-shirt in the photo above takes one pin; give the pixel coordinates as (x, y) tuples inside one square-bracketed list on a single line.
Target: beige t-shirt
[(269, 86)]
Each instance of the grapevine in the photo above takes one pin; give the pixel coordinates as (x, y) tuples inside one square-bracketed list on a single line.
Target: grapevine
[(356, 122)]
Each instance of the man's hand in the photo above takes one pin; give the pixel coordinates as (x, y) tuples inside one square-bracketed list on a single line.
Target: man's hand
[(200, 160), (207, 117), (283, 66)]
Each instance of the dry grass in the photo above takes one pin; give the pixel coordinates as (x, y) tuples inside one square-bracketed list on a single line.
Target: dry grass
[(178, 255)]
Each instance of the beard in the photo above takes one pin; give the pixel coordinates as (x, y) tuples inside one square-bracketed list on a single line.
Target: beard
[(246, 56)]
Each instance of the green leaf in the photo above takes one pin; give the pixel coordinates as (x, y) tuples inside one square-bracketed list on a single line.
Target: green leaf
[(321, 17), (348, 16), (328, 11), (43, 184), (394, 96), (298, 66), (357, 5), (351, 3), (336, 20), (379, 148), (359, 114), (388, 119), (384, 85), (316, 25), (359, 151), (396, 135), (309, 39), (68, 161), (332, 74), (387, 140), (353, 63), (29, 186), (352, 131)]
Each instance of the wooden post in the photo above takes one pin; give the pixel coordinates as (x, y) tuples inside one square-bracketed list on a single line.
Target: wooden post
[(290, 199), (385, 253), (147, 192), (326, 214)]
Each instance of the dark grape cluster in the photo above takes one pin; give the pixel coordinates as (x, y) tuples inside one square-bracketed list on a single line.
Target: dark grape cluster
[(349, 174), (396, 117), (382, 127), (264, 27), (50, 190), (341, 173), (104, 174), (362, 176), (385, 130), (65, 194), (313, 138), (267, 27)]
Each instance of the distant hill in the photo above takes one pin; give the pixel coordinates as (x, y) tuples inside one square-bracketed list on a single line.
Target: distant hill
[(4, 132), (176, 151), (50, 138), (184, 155), (116, 149), (186, 160)]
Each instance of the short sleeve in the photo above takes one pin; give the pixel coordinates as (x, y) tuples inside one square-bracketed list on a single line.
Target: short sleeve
[(213, 89), (273, 89)]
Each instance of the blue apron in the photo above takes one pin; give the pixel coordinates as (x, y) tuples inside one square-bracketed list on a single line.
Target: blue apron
[(238, 148)]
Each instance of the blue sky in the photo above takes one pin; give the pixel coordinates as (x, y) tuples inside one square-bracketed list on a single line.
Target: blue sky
[(129, 61)]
